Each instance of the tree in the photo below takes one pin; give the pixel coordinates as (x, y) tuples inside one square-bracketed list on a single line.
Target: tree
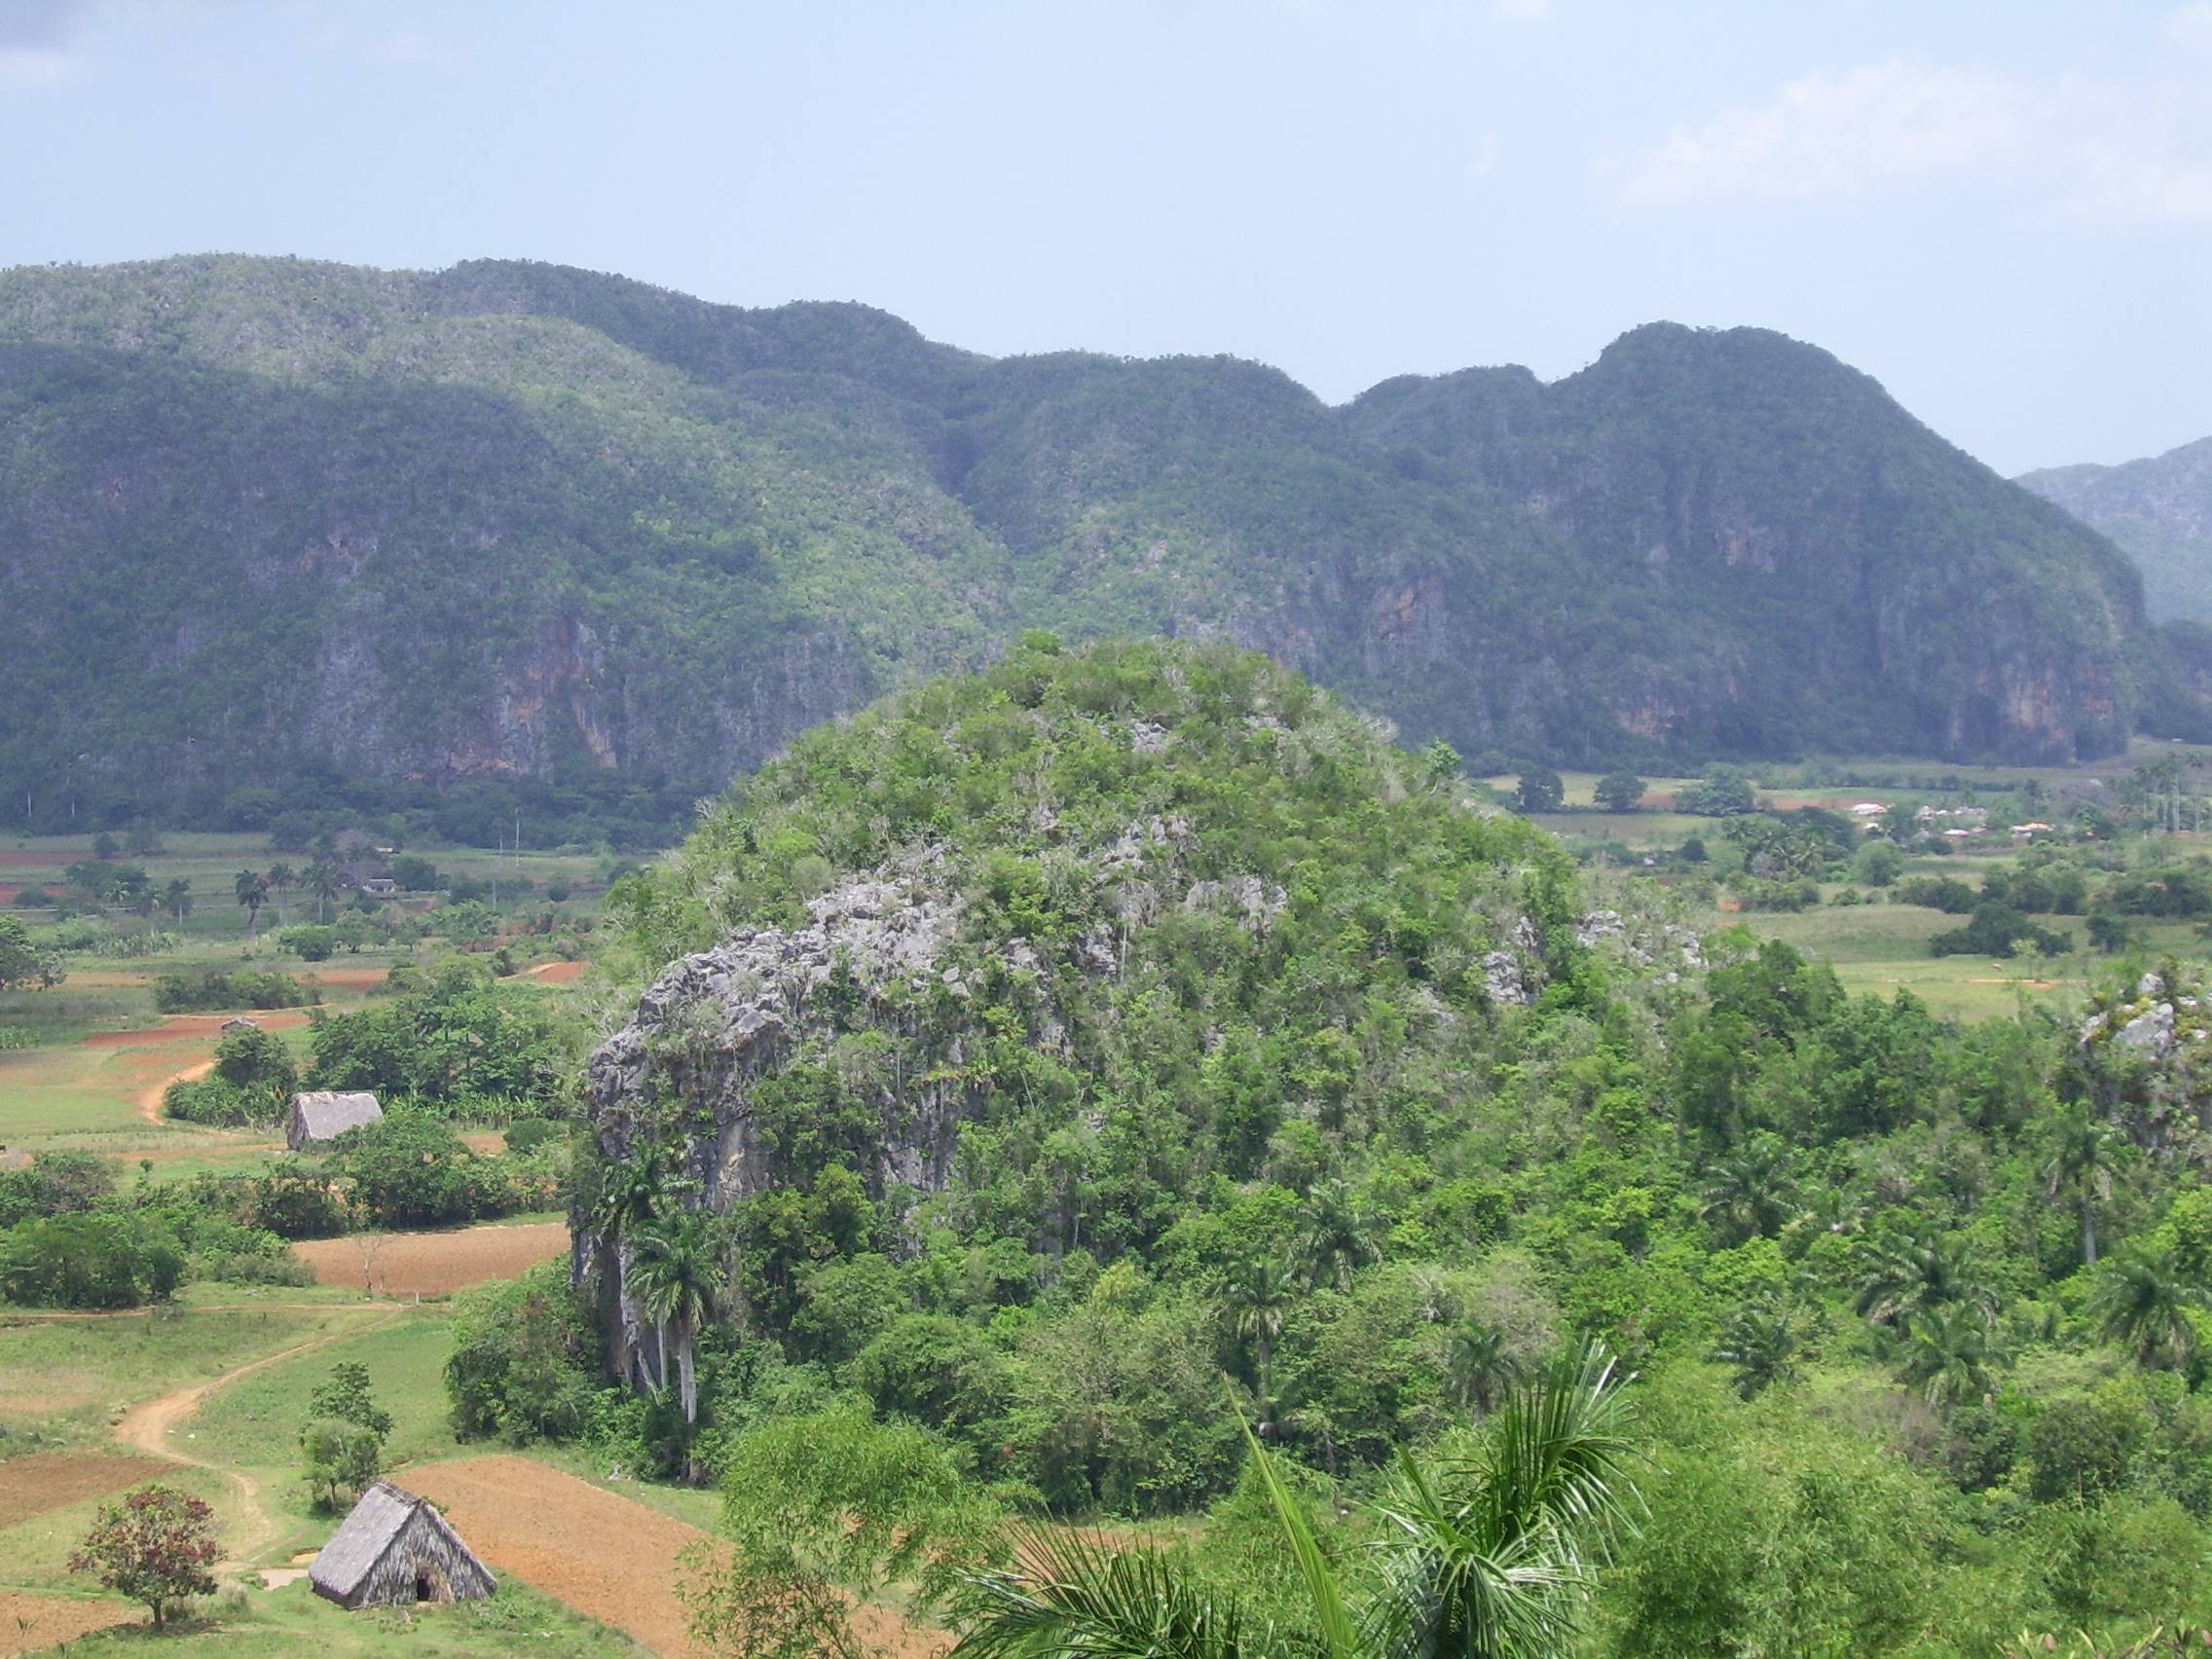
[(1759, 1344), (1492, 1556), (1913, 1277), (1541, 790), (2142, 1302), (1948, 1353), (344, 1395), (1439, 764), (338, 1456), (1722, 792), (23, 962), (157, 1546), (1619, 792), (1258, 1295), (677, 1278), (1480, 1365), (1339, 1233), (2085, 1153), (176, 899), (322, 880), (280, 876), (1750, 1194), (253, 892)]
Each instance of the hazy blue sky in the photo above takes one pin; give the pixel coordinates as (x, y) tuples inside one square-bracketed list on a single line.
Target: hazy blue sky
[(2002, 209)]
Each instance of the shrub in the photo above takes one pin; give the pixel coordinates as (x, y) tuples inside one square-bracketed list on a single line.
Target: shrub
[(90, 1262), (212, 989)]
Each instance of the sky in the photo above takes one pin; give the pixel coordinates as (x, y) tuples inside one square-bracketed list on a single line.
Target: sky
[(2000, 208)]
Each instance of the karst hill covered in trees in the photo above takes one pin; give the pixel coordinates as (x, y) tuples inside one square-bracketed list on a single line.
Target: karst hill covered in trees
[(2159, 510), (313, 526)]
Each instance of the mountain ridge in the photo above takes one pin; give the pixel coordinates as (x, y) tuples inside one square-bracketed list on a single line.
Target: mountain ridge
[(510, 520), (2158, 510)]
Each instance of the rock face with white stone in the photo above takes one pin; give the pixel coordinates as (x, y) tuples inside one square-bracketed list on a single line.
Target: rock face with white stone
[(2147, 1056)]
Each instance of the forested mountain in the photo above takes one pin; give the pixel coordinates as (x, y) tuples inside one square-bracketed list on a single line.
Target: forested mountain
[(2159, 509), (273, 524), (1012, 1060)]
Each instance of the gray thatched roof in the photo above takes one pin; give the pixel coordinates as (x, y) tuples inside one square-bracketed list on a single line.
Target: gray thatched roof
[(344, 1565), (323, 1114), (347, 1560)]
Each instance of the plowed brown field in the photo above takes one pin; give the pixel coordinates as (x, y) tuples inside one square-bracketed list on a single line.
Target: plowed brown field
[(434, 1263), (604, 1555), (53, 1480), (32, 1624)]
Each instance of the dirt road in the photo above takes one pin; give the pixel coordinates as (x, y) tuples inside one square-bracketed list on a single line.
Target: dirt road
[(147, 1428)]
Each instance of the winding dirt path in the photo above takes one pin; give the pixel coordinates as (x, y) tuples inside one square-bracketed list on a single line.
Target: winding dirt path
[(146, 1427), (152, 1096)]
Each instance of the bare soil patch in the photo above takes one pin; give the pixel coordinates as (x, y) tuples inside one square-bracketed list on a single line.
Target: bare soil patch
[(183, 1028), (604, 1555), (434, 1263), (555, 973), (54, 1479), (32, 1624)]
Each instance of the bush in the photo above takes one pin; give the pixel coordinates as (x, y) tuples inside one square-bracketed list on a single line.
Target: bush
[(89, 1261), (1722, 792), (409, 1169), (311, 942), (214, 1101), (1998, 931), (211, 989), (521, 1363)]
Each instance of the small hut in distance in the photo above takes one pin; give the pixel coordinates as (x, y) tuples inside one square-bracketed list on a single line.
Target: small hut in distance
[(395, 1549), (320, 1116)]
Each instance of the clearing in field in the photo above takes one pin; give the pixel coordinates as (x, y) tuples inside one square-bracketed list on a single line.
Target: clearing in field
[(603, 1554), (434, 1263), (32, 1624), (54, 1479)]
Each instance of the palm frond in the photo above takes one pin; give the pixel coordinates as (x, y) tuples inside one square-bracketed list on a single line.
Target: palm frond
[(1072, 1599)]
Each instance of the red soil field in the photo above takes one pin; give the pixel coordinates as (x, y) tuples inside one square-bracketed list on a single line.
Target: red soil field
[(604, 1555), (54, 1479), (33, 1624), (179, 1028), (434, 1263)]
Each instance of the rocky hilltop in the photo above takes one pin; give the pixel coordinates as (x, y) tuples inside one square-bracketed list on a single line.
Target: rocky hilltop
[(278, 524), (1159, 909)]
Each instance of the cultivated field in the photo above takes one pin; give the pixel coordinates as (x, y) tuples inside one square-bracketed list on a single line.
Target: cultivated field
[(434, 1263)]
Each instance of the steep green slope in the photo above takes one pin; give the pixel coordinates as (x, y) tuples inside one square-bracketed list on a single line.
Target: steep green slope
[(2159, 510), (264, 521), (1018, 1056)]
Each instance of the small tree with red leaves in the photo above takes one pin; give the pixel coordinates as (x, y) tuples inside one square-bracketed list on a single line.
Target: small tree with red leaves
[(156, 1546)]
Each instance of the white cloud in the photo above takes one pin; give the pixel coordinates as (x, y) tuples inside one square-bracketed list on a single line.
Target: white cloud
[(1484, 160), (2096, 152)]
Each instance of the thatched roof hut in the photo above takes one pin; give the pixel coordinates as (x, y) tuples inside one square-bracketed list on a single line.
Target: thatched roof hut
[(395, 1548), (319, 1116)]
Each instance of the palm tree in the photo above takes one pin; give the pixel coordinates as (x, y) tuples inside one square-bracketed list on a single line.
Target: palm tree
[(632, 1194), (1751, 1193), (1760, 1341), (280, 876), (322, 881), (1491, 1558), (1342, 1233), (677, 1278), (2084, 1154), (1480, 1365), (1905, 1280), (253, 892), (1258, 1295), (177, 896), (1948, 1353), (2141, 1302)]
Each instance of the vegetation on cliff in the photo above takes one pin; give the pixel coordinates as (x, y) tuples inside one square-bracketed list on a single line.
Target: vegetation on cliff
[(1252, 1046), (349, 536)]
